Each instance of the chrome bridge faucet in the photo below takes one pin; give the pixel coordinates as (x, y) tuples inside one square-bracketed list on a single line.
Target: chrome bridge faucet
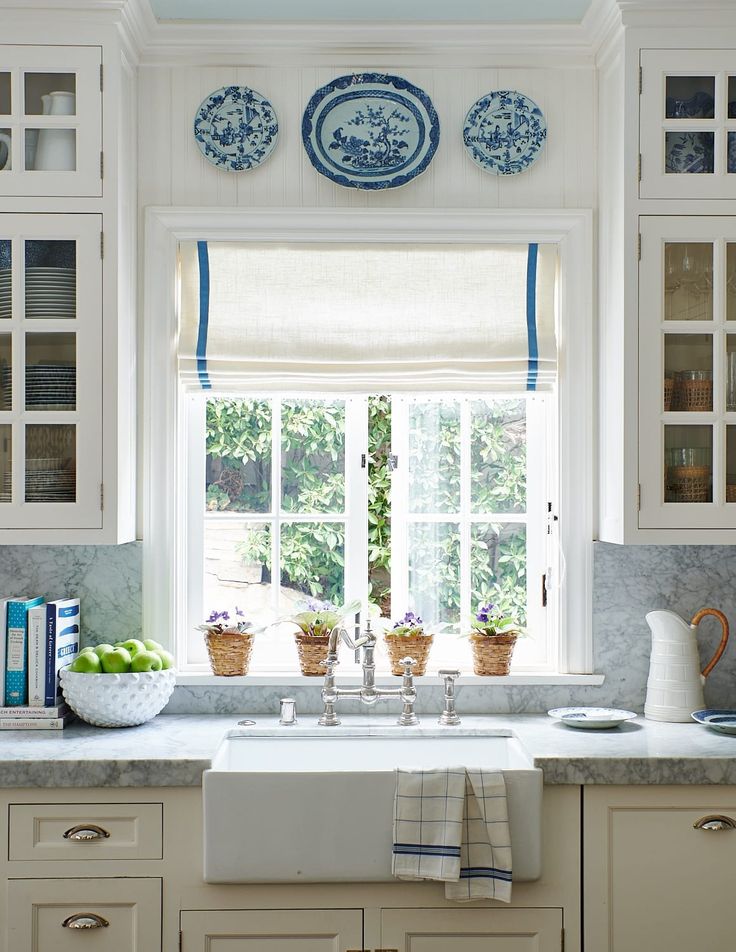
[(368, 693)]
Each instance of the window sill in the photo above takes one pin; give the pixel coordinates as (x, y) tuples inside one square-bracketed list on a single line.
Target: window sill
[(540, 679)]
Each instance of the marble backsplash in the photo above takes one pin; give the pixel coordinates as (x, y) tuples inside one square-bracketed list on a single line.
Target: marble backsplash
[(629, 581)]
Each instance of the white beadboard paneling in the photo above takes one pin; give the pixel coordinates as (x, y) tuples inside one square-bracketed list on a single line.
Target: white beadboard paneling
[(173, 171)]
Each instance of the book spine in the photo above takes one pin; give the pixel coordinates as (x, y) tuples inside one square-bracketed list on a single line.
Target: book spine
[(34, 724), (15, 712), (50, 687), (37, 657), (15, 666), (3, 646)]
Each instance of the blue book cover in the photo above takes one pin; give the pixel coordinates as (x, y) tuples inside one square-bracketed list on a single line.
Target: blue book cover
[(62, 641), (16, 652)]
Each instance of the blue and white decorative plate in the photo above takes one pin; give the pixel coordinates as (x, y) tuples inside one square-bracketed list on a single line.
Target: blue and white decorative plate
[(591, 718), (370, 131), (504, 132), (723, 722), (236, 128)]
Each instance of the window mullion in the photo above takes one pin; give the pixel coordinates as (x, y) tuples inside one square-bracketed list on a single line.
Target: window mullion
[(465, 512), (356, 500), (191, 555), (399, 507), (275, 504)]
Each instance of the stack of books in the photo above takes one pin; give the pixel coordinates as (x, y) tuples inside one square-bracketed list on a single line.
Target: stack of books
[(37, 639)]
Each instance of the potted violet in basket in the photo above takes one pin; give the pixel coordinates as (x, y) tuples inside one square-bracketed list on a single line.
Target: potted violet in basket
[(229, 639), (408, 638), (314, 625), (492, 637)]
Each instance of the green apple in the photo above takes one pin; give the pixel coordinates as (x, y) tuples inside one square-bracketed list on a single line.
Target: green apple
[(99, 650), (133, 646), (86, 662), (146, 661), (152, 645), (167, 659), (116, 661)]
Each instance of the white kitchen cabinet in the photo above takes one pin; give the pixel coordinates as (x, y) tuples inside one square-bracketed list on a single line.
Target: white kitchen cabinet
[(51, 398), (687, 373), (687, 131), (653, 878), (51, 121), (97, 915), (471, 930), (272, 930)]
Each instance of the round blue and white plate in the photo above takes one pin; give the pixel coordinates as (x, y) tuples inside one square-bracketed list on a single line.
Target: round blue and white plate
[(504, 132), (591, 718), (721, 721), (236, 128), (370, 131)]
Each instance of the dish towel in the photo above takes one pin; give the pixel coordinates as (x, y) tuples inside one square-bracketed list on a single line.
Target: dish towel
[(451, 825)]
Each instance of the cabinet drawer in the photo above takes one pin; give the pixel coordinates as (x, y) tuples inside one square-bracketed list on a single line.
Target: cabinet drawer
[(97, 915), (68, 831)]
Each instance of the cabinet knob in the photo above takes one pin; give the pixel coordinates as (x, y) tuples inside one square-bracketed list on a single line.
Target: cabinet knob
[(715, 822), (85, 920), (85, 832)]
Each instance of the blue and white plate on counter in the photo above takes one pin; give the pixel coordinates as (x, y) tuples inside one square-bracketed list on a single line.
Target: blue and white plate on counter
[(236, 128), (723, 722), (504, 132), (591, 718), (370, 131)]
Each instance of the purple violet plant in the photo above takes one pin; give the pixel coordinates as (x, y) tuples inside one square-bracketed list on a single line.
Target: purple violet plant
[(410, 625)]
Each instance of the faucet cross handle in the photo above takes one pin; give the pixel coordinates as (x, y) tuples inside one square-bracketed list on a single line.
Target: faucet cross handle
[(407, 664), (449, 716)]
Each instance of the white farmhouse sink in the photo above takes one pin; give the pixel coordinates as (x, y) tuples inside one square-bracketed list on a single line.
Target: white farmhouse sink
[(316, 805)]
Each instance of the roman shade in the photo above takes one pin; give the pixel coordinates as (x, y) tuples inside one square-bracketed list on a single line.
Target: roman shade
[(350, 317)]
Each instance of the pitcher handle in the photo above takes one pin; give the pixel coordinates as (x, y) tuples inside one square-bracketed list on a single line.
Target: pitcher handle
[(697, 618)]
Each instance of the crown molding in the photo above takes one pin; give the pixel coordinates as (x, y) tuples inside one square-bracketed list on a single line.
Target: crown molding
[(678, 13)]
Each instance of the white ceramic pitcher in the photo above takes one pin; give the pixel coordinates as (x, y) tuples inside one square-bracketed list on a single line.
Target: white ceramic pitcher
[(57, 148), (675, 684)]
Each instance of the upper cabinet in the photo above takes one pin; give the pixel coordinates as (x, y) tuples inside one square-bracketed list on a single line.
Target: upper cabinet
[(51, 121), (687, 135)]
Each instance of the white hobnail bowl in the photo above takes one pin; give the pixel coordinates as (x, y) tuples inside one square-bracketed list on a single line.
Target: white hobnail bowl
[(117, 700)]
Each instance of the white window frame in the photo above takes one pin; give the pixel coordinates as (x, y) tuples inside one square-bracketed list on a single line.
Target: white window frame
[(164, 482)]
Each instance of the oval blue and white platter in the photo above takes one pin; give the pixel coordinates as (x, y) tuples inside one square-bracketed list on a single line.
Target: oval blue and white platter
[(370, 131), (721, 721), (504, 132), (591, 718), (236, 128)]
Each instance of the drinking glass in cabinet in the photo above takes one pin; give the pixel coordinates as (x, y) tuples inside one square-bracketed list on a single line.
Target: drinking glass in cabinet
[(51, 280), (51, 372), (688, 464), (50, 94), (6, 279), (50, 475), (688, 366), (690, 97), (6, 463), (6, 372), (688, 281)]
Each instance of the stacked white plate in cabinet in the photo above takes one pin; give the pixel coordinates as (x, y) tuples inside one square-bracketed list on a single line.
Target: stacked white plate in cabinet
[(51, 293), (47, 480), (50, 387), (5, 294)]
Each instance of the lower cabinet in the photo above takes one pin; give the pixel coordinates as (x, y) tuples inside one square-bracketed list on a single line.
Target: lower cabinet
[(471, 930), (272, 930), (96, 915), (658, 869)]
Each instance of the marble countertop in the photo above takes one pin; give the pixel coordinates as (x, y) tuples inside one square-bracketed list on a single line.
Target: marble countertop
[(173, 750)]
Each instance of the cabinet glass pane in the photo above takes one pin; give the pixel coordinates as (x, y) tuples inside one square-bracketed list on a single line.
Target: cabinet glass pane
[(238, 468), (689, 152), (732, 97), (237, 569), (313, 456), (731, 282), (731, 157), (51, 463), (434, 456), (50, 94), (690, 97), (688, 363), (6, 139), (688, 281), (6, 462), (51, 150), (498, 456), (6, 290), (51, 279), (731, 373), (6, 372), (731, 464), (498, 568), (434, 572), (688, 459), (5, 94), (315, 554), (51, 371)]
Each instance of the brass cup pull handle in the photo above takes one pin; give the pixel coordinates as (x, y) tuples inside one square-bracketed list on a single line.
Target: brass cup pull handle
[(85, 920), (715, 822), (697, 618), (86, 832)]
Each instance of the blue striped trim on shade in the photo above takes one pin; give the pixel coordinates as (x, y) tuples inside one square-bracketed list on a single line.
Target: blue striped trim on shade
[(531, 317), (204, 314)]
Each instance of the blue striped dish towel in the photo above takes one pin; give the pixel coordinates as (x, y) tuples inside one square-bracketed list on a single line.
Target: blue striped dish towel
[(451, 824)]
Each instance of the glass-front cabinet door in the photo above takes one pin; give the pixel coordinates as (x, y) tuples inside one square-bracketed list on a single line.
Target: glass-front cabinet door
[(50, 120), (50, 371), (688, 124), (687, 373)]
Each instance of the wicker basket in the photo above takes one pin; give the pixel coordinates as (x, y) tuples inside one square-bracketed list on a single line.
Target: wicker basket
[(688, 484), (229, 652), (731, 492), (408, 646), (669, 384), (312, 652), (492, 655), (693, 396)]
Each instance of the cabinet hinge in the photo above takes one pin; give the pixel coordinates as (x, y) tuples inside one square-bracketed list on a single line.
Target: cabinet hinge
[(638, 247), (102, 244), (638, 497), (544, 590), (638, 168), (102, 81), (641, 79), (102, 496), (102, 164), (363, 460)]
